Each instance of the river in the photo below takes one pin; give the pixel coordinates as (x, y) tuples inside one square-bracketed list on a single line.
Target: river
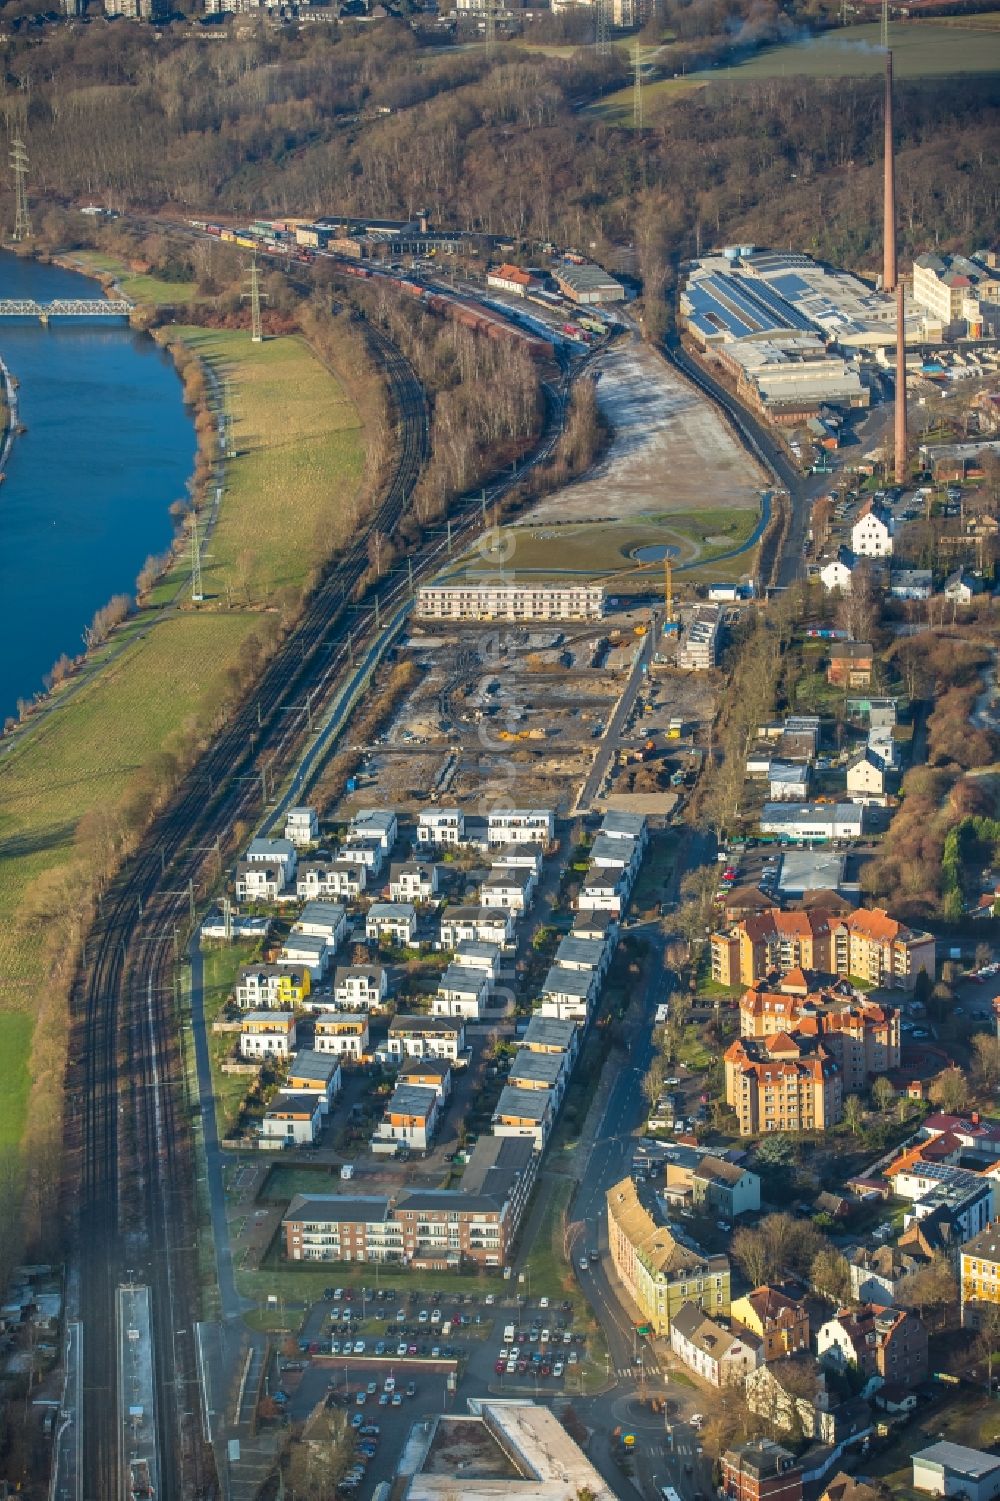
[(108, 446)]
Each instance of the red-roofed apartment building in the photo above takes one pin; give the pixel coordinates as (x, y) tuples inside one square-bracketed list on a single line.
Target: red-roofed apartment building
[(783, 1083), (860, 1034), (868, 944)]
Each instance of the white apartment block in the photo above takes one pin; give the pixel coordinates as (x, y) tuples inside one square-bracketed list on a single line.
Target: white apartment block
[(360, 987), (441, 826), (510, 602), (301, 826), (521, 826), (343, 1036)]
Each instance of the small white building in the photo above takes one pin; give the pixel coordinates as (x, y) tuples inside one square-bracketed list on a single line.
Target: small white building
[(618, 825), (302, 951), (509, 887), (461, 992), (837, 572), (911, 583), (411, 1117), (301, 826), (267, 1034), (326, 920), (866, 779), (816, 822), (343, 1036), (476, 925), (717, 1355), (568, 994), (413, 881), (591, 956), (871, 534), (376, 823), (962, 586), (788, 781), (426, 1037), (481, 956), (603, 891), (365, 850), (519, 857), (360, 987), (441, 826), (521, 826), (392, 922), (610, 853), (280, 852), (947, 1469), (292, 1120)]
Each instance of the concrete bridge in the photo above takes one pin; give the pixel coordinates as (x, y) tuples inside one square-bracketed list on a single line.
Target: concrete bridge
[(72, 307)]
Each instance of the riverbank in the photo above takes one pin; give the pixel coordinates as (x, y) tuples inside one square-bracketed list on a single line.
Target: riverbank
[(8, 421), (80, 785)]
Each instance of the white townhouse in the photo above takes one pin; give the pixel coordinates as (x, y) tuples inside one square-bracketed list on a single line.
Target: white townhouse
[(360, 987), (521, 826), (392, 922), (441, 826)]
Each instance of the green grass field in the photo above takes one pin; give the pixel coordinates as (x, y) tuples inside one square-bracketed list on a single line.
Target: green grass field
[(920, 49), (287, 502), (603, 549), (135, 285), (290, 496)]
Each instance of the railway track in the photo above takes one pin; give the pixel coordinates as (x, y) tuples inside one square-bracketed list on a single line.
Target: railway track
[(128, 1138)]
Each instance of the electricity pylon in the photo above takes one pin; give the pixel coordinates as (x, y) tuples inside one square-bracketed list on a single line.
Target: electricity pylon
[(256, 296), (603, 28), (227, 421), (19, 164), (637, 86)]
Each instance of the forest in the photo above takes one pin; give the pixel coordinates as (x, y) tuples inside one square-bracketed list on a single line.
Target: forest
[(369, 119)]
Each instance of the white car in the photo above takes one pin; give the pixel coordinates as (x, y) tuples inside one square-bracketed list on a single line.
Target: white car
[(697, 1421), (543, 1302), (490, 1299), (389, 1385), (423, 1317), (584, 1264), (436, 1316), (558, 1368), (511, 1367), (546, 1336), (359, 1347)]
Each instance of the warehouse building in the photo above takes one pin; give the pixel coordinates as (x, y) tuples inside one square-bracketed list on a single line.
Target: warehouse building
[(791, 378), (587, 284), (510, 602)]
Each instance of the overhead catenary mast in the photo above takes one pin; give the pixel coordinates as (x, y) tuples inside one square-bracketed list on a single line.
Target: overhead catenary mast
[(603, 28), (637, 86), (19, 165)]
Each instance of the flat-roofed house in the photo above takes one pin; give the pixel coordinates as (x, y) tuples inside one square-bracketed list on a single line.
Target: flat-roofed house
[(441, 826), (481, 956), (301, 826), (410, 1117), (525, 1112), (531, 1070), (568, 993), (344, 1036), (426, 1037), (313, 1072), (293, 1119), (326, 920), (392, 922), (547, 1034), (267, 1034), (461, 992), (303, 951), (376, 823), (279, 852), (521, 826), (590, 955), (476, 925)]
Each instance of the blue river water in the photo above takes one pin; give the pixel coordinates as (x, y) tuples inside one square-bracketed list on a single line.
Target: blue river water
[(87, 487)]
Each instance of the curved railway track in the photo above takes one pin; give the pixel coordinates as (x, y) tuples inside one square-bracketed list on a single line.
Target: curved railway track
[(128, 1134)]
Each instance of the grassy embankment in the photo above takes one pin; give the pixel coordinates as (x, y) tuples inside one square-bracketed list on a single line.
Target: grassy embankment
[(290, 497), (920, 49), (136, 286)]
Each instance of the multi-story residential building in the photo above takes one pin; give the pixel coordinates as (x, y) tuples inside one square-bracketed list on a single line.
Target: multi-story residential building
[(526, 856), (588, 955), (851, 664), (461, 992), (301, 826), (324, 877), (866, 779), (876, 1341), (596, 927), (410, 1118), (779, 1320), (437, 1229), (361, 987), (441, 826), (979, 1273), (871, 534), (292, 1119), (604, 891), (761, 1471), (613, 854), (862, 1035), (366, 850), (510, 602), (391, 922), (877, 1276), (867, 943), (282, 987), (509, 826), (701, 640), (482, 956), (257, 882), (722, 1357), (307, 951), (413, 881), (279, 852), (426, 1037), (312, 1072), (783, 1083), (267, 1034), (476, 925), (618, 825), (344, 1036), (724, 1188), (659, 1272), (525, 1112), (963, 1199)]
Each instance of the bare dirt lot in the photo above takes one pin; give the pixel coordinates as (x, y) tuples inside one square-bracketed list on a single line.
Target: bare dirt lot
[(671, 450)]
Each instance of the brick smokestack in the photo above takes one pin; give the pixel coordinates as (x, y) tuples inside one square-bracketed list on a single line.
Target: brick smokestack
[(900, 386), (889, 190)]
